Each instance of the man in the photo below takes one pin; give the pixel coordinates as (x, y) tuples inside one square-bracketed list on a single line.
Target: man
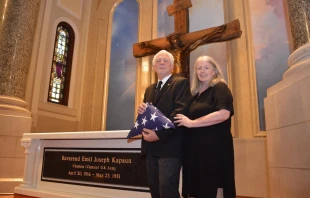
[(163, 149)]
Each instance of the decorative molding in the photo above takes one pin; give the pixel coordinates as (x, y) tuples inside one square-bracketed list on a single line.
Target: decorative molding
[(31, 147), (13, 101), (77, 15), (298, 59), (11, 180), (145, 75), (252, 73), (29, 144), (11, 106), (241, 72), (25, 143)]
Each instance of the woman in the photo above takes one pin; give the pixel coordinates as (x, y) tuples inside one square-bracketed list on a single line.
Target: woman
[(209, 154)]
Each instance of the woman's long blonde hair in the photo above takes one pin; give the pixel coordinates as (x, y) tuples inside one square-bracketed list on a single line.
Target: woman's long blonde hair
[(218, 77)]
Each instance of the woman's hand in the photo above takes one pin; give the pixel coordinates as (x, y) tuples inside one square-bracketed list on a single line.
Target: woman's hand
[(142, 108), (182, 120)]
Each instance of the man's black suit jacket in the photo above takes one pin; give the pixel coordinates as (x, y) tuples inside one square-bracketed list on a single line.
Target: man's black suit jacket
[(172, 99)]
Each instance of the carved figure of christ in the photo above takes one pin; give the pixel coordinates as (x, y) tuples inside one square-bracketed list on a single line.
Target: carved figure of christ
[(180, 44)]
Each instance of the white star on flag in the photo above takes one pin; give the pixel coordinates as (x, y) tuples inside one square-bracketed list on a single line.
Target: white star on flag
[(136, 124), (144, 120), (151, 113), (153, 116), (166, 126)]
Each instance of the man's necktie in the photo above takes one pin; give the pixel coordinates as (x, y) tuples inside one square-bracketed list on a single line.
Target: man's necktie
[(157, 90)]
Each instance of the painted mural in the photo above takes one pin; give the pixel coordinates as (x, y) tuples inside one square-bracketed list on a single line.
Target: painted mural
[(121, 95), (270, 45)]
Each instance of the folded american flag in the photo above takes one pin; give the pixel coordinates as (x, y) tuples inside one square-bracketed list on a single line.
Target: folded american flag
[(152, 119)]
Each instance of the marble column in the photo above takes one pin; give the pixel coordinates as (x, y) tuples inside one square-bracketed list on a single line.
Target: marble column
[(287, 112), (18, 20), (299, 16)]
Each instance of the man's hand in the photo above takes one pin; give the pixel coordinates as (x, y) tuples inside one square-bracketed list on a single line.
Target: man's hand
[(149, 135), (142, 108)]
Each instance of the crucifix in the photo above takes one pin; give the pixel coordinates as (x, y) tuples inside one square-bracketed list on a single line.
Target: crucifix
[(181, 43)]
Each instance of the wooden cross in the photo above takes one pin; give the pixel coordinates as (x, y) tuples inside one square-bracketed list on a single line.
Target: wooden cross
[(180, 11), (181, 43)]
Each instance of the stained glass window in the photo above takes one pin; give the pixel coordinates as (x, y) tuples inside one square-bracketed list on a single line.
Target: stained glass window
[(61, 64)]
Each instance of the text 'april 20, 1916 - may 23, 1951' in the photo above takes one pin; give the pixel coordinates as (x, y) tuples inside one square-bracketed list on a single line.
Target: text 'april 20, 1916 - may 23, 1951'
[(109, 168)]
